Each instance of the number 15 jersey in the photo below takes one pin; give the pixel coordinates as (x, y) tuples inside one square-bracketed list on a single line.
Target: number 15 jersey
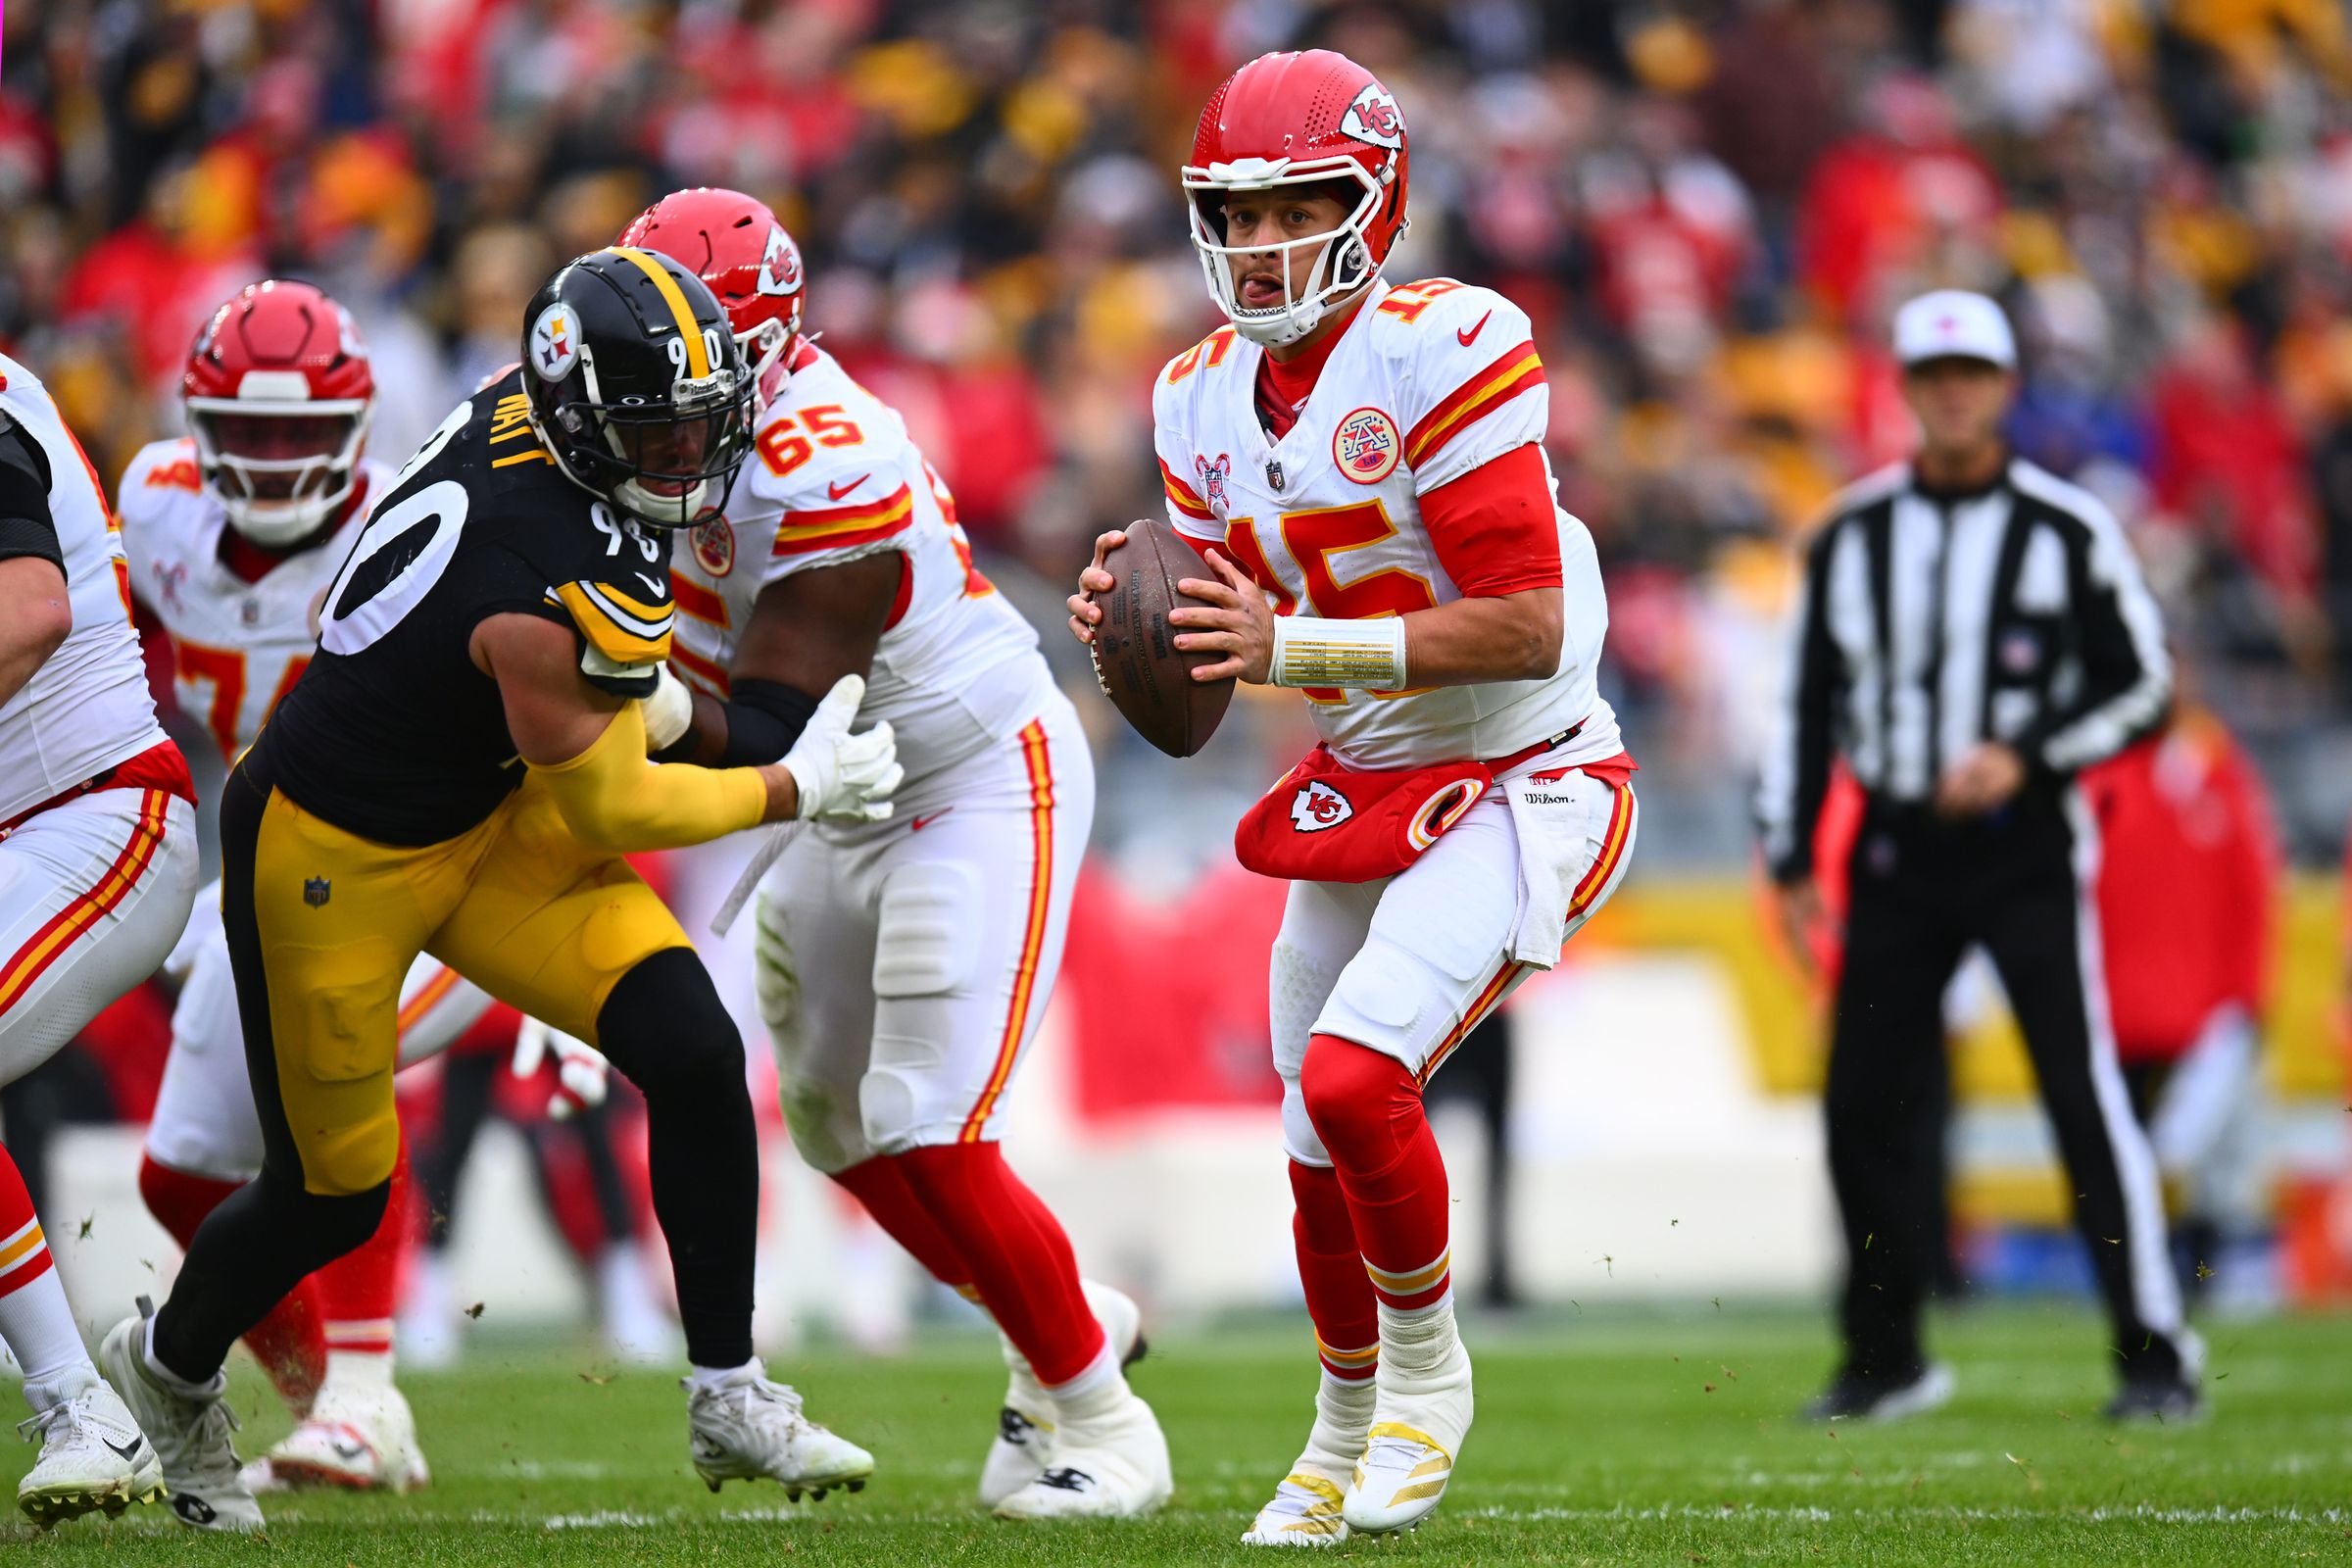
[(1425, 384)]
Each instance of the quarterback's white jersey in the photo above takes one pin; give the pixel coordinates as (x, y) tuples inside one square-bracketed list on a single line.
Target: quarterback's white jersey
[(836, 478), (1425, 383), (237, 647), (86, 707)]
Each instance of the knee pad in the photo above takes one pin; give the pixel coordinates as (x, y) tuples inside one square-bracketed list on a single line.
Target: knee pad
[(1355, 1097), (927, 929), (1299, 1140), (664, 1023), (825, 1127), (1396, 998)]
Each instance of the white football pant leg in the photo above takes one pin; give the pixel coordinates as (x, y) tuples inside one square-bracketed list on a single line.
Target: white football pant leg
[(1323, 926), (814, 940), (93, 894), (972, 913)]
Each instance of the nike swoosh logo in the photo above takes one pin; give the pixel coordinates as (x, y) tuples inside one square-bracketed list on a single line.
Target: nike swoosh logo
[(651, 586), (834, 492), (1470, 337), (916, 824), (131, 1452), (350, 1450)]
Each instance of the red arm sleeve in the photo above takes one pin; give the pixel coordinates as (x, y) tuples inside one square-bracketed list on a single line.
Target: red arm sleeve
[(1496, 528), (2255, 875)]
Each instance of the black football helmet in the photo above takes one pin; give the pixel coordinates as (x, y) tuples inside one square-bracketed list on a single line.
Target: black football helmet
[(636, 384)]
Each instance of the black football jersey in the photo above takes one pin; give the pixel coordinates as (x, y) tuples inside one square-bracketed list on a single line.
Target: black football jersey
[(392, 733)]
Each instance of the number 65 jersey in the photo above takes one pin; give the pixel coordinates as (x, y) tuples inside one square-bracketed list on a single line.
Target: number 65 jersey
[(836, 478), (1426, 383)]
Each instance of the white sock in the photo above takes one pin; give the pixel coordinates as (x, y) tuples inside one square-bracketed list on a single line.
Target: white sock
[(1343, 1415), (1096, 1392), (358, 1369), (703, 1378), (41, 1331), (1415, 1343)]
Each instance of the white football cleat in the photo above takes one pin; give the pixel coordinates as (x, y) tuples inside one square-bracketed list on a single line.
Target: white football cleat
[(1112, 1465), (93, 1454), (358, 1435), (190, 1432), (1023, 1447), (744, 1428), (1307, 1510), (1420, 1418)]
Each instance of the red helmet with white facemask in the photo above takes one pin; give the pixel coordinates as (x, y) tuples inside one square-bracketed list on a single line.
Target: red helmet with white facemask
[(735, 244), (1288, 121), (278, 394)]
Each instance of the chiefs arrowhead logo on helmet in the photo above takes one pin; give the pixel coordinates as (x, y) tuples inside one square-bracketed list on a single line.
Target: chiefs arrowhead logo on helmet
[(1374, 117), (779, 264)]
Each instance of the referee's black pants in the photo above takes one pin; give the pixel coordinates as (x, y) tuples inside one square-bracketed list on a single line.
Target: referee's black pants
[(1924, 890)]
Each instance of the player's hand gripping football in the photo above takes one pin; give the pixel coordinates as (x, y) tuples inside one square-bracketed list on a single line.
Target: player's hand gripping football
[(840, 777), (581, 1070), (1085, 614), (1235, 621)]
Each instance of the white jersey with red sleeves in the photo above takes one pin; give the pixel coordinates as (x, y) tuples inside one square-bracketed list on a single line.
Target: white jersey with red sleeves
[(236, 646), (1427, 382), (87, 707), (836, 478)]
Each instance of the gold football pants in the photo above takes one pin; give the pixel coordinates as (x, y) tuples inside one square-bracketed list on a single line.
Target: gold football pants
[(326, 924)]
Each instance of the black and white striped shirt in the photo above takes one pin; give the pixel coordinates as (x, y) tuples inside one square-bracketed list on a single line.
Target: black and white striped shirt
[(1930, 621)]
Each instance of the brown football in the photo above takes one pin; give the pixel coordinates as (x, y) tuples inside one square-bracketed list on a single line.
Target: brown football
[(1135, 658)]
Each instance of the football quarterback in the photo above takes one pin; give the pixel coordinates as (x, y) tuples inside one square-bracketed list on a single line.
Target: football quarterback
[(1362, 466), (459, 770)]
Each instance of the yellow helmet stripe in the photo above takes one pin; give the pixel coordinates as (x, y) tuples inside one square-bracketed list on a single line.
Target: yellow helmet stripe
[(698, 358)]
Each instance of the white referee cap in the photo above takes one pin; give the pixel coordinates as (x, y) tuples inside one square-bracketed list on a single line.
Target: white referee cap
[(1953, 323)]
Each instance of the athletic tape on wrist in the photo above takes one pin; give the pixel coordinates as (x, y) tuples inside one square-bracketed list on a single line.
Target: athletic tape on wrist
[(1367, 654)]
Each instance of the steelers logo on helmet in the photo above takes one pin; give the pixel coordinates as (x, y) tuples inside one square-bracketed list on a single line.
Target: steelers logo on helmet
[(555, 342), (1366, 446), (714, 546), (1373, 117), (779, 264)]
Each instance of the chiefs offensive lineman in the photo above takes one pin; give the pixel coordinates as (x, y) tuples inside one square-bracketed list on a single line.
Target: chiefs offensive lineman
[(97, 870), (234, 533), (1361, 467), (904, 965)]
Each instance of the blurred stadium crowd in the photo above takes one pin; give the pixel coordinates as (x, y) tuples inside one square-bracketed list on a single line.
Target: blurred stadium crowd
[(1709, 206)]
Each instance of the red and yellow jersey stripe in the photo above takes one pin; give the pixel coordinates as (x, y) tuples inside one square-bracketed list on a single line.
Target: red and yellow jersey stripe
[(1183, 497), (21, 968), (839, 527), (1040, 762), (1514, 372)]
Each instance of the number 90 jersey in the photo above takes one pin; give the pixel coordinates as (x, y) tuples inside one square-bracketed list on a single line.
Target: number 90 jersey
[(236, 645), (1427, 382), (836, 478), (393, 733)]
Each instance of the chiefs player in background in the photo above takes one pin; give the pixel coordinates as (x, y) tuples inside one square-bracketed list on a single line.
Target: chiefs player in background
[(2188, 886), (97, 871), (234, 533), (905, 964), (1369, 458)]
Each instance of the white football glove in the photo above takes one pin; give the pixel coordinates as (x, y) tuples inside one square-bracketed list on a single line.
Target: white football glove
[(581, 1070), (668, 712), (843, 777)]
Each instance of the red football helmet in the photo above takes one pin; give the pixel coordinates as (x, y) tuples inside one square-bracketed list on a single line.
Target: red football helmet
[(736, 245), (1298, 120), (278, 394)]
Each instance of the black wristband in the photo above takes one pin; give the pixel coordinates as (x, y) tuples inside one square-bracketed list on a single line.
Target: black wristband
[(763, 718)]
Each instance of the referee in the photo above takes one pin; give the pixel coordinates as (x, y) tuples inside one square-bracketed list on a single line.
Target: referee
[(1972, 632)]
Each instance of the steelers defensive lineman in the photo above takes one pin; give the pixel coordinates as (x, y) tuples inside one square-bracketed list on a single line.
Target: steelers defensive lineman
[(459, 773)]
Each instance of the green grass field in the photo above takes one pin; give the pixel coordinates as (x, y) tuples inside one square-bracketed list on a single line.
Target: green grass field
[(1661, 1439)]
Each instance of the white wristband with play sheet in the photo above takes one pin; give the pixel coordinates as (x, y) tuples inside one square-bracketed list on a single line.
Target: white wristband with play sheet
[(1367, 655)]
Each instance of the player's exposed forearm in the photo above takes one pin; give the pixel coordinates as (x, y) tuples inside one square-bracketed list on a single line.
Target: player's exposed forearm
[(36, 617), (1472, 641), (613, 798)]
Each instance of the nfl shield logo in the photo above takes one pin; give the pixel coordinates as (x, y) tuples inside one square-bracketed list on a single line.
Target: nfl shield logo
[(315, 891), (1274, 474)]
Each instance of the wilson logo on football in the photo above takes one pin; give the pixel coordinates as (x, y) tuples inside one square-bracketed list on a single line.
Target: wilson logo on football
[(1366, 445), (715, 547), (1318, 806), (1374, 117)]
